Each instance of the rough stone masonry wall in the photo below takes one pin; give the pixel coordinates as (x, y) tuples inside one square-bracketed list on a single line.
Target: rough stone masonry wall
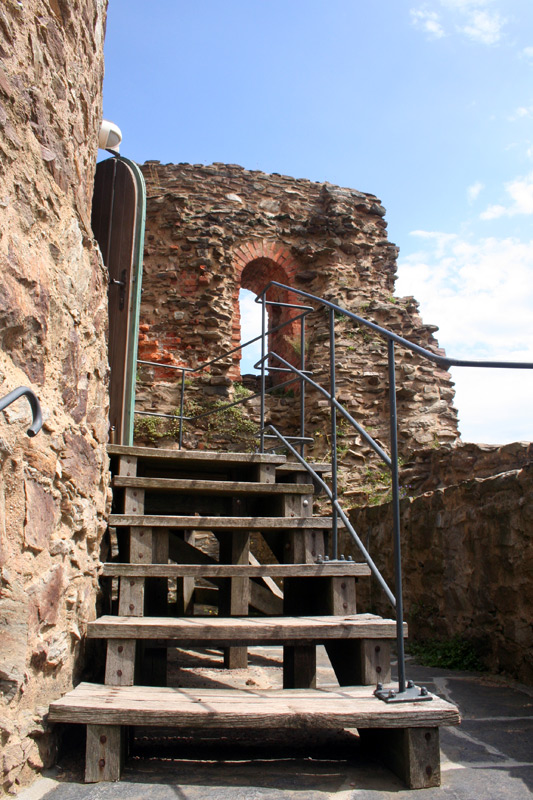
[(214, 229), (467, 551), (53, 320)]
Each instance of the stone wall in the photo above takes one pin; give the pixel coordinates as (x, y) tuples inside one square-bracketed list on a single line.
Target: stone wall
[(53, 489), (467, 551), (214, 229)]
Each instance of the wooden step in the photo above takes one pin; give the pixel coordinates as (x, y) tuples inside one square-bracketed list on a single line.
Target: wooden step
[(223, 523), (347, 707), (337, 569), (295, 467), (195, 456), (404, 735), (211, 487), (244, 629)]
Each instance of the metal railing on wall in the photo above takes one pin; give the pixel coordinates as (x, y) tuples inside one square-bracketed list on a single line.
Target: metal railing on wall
[(24, 391), (273, 362)]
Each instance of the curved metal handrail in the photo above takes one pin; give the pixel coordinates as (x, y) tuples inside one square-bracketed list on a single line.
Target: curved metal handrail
[(24, 391), (302, 375), (443, 361), (392, 462)]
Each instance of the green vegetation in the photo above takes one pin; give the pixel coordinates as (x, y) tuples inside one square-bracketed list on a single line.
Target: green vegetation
[(153, 428), (456, 653)]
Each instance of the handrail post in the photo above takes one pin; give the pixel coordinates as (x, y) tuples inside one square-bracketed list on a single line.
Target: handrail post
[(396, 518), (332, 389), (263, 380), (302, 385), (181, 406)]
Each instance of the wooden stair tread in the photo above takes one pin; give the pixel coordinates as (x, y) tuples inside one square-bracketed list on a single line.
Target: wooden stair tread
[(212, 457), (222, 523), (348, 707), (211, 487), (336, 569), (253, 629), (295, 466)]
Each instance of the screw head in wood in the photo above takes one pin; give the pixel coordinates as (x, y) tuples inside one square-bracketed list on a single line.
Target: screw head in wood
[(103, 740)]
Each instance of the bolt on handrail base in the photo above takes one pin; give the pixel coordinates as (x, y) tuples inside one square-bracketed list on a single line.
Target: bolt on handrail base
[(411, 694)]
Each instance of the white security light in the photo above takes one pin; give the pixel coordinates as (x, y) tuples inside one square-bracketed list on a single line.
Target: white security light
[(110, 136)]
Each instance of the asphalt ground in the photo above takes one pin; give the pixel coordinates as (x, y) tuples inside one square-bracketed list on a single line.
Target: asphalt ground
[(488, 757)]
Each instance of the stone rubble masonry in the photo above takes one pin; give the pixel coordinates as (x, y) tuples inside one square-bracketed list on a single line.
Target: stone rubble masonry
[(212, 230), (467, 551), (53, 326)]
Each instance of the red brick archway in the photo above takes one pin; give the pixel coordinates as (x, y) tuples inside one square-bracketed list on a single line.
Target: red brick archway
[(256, 263)]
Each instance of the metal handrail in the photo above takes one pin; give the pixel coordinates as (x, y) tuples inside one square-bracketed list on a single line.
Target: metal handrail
[(305, 310), (391, 461), (24, 391), (303, 377)]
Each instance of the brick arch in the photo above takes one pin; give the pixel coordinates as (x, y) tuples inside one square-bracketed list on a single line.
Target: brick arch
[(256, 263)]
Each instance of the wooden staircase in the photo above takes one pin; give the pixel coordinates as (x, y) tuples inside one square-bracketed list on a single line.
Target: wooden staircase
[(163, 501)]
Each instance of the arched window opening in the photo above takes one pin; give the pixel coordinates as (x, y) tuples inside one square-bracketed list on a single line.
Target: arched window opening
[(255, 276), (250, 313)]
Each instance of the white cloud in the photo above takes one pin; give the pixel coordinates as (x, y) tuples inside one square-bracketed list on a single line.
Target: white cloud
[(527, 53), (465, 5), (471, 18), (520, 192), (427, 21), (474, 191), (493, 212), (480, 293), (521, 112), (483, 26)]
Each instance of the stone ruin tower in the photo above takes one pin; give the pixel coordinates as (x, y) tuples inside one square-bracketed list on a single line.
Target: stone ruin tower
[(212, 230)]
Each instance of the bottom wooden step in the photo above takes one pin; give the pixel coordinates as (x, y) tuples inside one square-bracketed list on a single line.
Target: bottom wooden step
[(405, 736), (348, 707)]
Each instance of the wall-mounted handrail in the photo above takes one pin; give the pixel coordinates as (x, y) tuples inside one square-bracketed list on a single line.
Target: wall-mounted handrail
[(24, 391)]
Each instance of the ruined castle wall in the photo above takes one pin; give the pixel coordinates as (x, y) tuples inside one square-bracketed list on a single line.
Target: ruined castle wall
[(467, 552), (214, 229), (53, 320)]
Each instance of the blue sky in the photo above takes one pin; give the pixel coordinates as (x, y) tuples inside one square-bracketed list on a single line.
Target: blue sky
[(429, 105)]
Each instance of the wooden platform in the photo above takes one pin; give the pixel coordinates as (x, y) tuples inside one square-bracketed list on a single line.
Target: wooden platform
[(347, 707), (244, 629)]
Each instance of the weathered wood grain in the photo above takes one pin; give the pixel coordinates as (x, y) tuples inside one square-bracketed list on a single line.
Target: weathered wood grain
[(353, 707), (211, 487), (235, 570), (254, 629), (191, 456), (223, 523), (103, 753)]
